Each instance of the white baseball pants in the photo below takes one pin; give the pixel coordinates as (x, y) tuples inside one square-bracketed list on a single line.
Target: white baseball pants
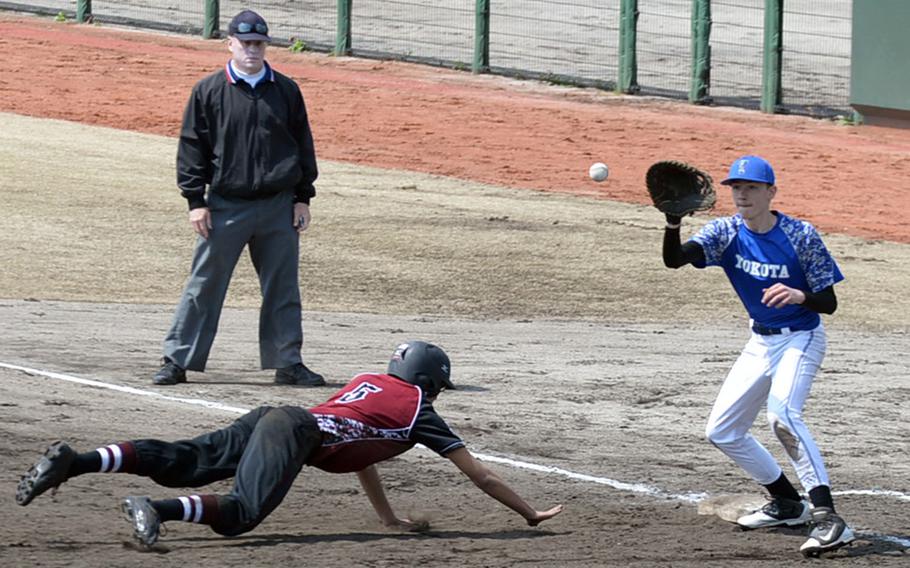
[(777, 370)]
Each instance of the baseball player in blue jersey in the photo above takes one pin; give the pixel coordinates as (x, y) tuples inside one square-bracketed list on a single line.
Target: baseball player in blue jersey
[(785, 277)]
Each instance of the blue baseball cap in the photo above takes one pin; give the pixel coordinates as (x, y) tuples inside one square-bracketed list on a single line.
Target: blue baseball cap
[(249, 26), (750, 168)]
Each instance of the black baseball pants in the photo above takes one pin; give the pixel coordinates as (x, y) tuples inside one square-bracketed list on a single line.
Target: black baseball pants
[(263, 450)]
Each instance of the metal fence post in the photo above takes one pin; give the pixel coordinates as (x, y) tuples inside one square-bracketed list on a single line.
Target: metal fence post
[(481, 63), (210, 23), (772, 90), (627, 79), (343, 30), (83, 11), (701, 52)]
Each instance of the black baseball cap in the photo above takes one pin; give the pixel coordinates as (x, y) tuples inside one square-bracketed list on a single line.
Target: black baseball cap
[(248, 25)]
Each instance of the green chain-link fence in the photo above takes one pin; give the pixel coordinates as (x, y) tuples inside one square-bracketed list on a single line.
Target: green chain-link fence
[(803, 69)]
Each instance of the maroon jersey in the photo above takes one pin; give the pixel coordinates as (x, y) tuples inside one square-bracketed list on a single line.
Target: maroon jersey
[(376, 417)]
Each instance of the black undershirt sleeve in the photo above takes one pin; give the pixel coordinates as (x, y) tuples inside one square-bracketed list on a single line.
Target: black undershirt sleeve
[(822, 302), (677, 254)]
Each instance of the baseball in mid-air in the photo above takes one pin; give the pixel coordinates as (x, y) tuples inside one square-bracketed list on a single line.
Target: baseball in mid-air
[(599, 171)]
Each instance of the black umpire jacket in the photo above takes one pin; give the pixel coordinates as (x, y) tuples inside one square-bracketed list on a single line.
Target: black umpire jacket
[(245, 143)]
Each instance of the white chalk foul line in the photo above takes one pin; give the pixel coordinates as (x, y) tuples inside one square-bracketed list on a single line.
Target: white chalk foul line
[(620, 485), (130, 390), (875, 493)]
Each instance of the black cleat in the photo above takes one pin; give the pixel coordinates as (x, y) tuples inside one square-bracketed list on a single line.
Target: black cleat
[(829, 532), (298, 375), (170, 373), (49, 471)]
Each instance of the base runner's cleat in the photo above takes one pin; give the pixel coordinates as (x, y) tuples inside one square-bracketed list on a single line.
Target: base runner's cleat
[(829, 532), (777, 512), (144, 518), (48, 472)]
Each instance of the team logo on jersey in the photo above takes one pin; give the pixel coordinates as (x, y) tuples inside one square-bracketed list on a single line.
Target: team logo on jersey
[(761, 269), (359, 392)]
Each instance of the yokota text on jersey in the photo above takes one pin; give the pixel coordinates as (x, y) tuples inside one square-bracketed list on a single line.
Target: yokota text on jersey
[(791, 253)]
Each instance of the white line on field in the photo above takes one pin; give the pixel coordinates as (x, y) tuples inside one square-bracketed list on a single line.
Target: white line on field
[(620, 485), (130, 390)]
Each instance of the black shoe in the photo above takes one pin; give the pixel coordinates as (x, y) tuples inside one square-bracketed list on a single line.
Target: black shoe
[(49, 471), (170, 374), (144, 518), (298, 375)]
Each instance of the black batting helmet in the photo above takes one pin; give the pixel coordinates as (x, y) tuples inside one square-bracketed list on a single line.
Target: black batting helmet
[(422, 364)]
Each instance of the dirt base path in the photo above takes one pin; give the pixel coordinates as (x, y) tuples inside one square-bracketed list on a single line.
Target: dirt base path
[(594, 402)]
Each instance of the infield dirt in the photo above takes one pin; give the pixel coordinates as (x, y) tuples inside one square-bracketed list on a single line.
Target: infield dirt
[(455, 208)]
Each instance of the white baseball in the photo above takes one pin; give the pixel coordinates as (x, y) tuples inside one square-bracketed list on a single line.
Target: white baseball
[(599, 171)]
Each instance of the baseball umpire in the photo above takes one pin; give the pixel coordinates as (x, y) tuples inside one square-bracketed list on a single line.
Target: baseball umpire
[(373, 418), (246, 165), (785, 277)]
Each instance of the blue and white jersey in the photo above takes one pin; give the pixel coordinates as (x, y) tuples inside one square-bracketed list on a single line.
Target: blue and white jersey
[(791, 253)]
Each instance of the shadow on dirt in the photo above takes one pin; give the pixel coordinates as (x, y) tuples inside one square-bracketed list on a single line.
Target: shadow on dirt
[(876, 545), (280, 539)]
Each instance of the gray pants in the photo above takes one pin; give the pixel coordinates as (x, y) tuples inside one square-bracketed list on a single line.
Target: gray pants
[(266, 226)]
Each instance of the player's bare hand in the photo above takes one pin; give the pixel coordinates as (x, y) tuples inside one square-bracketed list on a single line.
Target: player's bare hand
[(541, 516), (201, 220), (779, 295)]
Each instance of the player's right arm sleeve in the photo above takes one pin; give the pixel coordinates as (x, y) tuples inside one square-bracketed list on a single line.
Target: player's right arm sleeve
[(677, 254), (193, 153), (821, 270), (822, 302), (432, 431)]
